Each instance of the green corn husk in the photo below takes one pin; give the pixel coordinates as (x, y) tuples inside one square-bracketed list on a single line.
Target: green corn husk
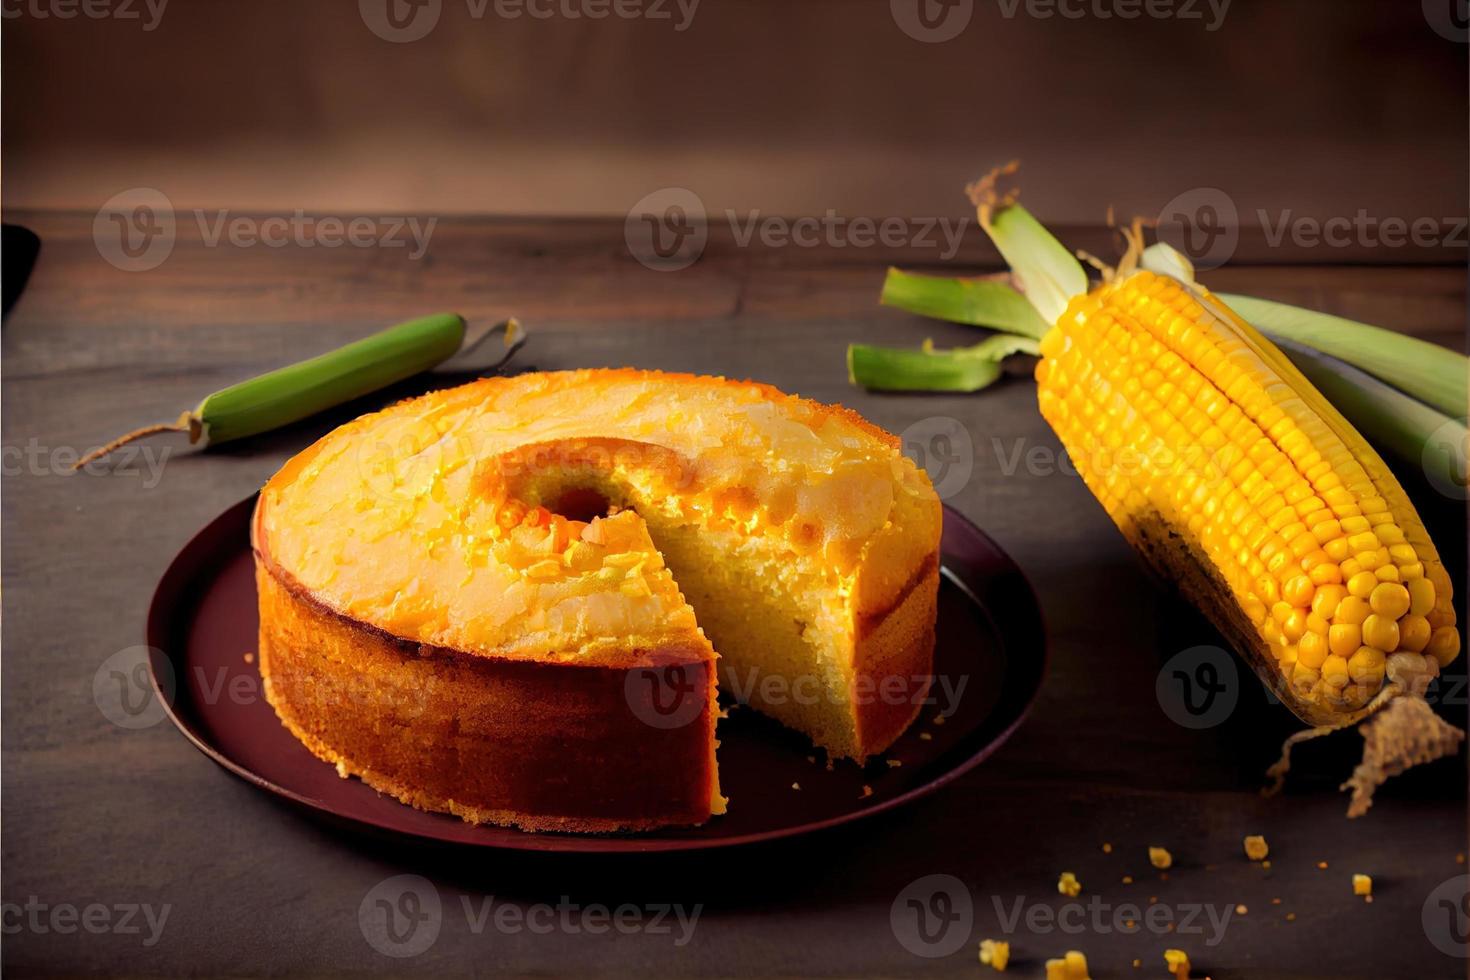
[(1435, 375), (979, 302), (960, 369), (1415, 433)]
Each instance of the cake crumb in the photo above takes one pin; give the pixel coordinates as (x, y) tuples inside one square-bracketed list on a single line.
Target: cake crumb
[(925, 737), (1363, 885), (1068, 885), (796, 785), (894, 763), (812, 759), (1177, 960), (1127, 879), (1321, 865), (1160, 858), (1256, 848), (995, 953), (1275, 901), (1241, 910), (1266, 864), (1107, 848), (1137, 964), (1460, 858), (1291, 917), (249, 657), (939, 719), (341, 768), (867, 792)]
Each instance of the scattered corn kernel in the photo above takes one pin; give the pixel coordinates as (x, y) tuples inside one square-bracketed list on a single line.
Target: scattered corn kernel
[(995, 953), (1068, 885), (1160, 858), (1362, 885), (1072, 966), (1177, 960), (1255, 848)]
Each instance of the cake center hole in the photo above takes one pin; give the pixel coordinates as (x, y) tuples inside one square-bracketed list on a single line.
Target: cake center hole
[(581, 504)]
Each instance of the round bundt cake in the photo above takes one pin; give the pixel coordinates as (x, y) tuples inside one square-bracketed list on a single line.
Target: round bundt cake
[(514, 600)]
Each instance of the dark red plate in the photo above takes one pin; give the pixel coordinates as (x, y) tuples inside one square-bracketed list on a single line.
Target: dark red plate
[(989, 663)]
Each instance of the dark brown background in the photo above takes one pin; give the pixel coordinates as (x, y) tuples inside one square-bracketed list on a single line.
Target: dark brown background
[(1321, 108)]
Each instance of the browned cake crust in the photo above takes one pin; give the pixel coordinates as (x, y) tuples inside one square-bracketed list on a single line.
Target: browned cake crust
[(536, 746)]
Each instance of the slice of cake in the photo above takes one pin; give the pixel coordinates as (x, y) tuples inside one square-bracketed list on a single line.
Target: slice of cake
[(505, 600)]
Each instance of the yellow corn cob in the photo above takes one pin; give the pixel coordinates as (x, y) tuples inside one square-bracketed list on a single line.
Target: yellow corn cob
[(1233, 476)]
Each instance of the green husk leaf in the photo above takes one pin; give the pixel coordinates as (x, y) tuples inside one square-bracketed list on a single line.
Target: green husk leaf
[(1435, 375), (979, 302), (1408, 429), (926, 369), (1044, 270)]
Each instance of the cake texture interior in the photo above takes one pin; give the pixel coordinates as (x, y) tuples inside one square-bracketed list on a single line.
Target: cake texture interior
[(474, 600)]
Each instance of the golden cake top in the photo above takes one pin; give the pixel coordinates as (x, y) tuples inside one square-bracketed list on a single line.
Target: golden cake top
[(452, 519)]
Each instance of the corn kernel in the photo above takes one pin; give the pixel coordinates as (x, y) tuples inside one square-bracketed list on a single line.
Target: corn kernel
[(1335, 671), (1073, 966), (1255, 848), (1389, 599), (1366, 666), (1421, 596), (1298, 590), (1326, 573), (1353, 610), (1362, 885), (1414, 633), (995, 953), (1362, 584), (1444, 645), (1312, 650), (1381, 632), (1178, 963), (1068, 885), (1386, 573), (1324, 603), (1295, 626), (1160, 858), (1343, 639)]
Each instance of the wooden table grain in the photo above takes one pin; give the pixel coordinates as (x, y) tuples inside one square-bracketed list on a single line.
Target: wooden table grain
[(95, 814)]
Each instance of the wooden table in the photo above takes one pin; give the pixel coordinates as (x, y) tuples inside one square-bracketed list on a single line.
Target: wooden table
[(93, 813)]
